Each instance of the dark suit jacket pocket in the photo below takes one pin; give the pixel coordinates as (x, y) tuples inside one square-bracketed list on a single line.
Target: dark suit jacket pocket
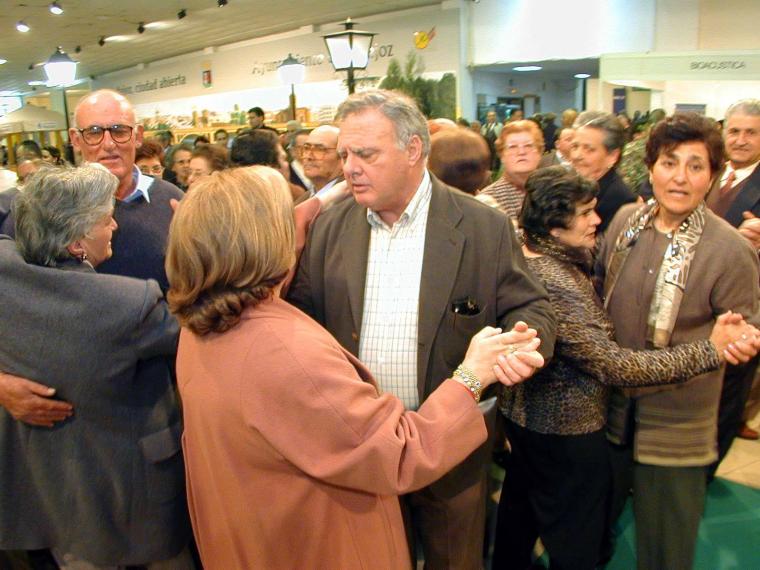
[(455, 334), (164, 469)]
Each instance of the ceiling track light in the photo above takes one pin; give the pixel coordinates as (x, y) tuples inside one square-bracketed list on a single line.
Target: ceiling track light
[(141, 28), (102, 41), (181, 14), (78, 49), (55, 8), (221, 3), (22, 27)]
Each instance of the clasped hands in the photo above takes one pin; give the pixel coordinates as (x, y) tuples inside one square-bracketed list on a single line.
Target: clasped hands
[(735, 340), (507, 357)]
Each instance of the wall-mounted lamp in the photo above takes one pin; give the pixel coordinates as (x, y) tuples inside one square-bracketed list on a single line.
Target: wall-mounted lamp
[(349, 50)]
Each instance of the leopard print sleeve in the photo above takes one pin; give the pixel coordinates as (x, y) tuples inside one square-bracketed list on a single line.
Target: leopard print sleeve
[(584, 337)]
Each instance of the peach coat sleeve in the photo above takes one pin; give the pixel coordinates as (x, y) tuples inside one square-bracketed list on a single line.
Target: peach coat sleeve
[(311, 404)]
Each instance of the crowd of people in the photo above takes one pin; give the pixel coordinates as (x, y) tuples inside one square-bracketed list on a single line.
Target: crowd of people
[(301, 349)]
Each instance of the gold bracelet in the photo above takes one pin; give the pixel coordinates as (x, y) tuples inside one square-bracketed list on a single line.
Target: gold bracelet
[(471, 382)]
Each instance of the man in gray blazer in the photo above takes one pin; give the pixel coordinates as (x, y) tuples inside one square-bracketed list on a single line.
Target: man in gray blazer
[(123, 443), (403, 276)]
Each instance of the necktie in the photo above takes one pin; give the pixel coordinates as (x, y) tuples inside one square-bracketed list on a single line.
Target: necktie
[(726, 188)]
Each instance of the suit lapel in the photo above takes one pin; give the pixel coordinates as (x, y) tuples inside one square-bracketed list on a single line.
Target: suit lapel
[(746, 200), (353, 247), (444, 245)]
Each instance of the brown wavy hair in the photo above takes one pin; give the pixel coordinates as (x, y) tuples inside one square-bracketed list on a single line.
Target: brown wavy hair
[(232, 240)]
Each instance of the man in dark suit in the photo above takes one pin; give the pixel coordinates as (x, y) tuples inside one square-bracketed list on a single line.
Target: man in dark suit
[(403, 276), (735, 197)]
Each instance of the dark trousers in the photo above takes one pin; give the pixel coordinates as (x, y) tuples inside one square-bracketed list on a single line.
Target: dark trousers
[(450, 531), (668, 503), (556, 487), (737, 384)]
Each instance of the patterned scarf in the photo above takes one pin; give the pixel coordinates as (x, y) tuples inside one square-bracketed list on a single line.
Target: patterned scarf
[(674, 271)]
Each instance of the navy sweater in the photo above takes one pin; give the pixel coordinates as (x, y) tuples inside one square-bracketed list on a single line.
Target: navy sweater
[(139, 245)]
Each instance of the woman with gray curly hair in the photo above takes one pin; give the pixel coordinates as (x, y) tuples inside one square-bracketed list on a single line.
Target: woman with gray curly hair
[(105, 485)]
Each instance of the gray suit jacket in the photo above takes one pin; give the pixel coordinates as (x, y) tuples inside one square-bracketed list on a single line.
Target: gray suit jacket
[(470, 251), (108, 483)]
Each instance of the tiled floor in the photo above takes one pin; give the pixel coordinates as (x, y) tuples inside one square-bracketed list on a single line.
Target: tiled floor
[(742, 464)]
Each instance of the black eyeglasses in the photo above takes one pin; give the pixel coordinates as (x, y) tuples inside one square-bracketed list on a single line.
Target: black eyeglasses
[(94, 134), (319, 151)]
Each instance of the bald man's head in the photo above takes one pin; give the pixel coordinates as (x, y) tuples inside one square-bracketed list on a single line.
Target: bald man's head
[(319, 156), (107, 132)]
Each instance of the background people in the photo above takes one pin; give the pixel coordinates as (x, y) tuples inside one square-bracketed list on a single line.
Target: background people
[(521, 144), (149, 158), (597, 143), (205, 160)]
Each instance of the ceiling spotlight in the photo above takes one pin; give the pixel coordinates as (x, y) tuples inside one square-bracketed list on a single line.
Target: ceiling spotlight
[(31, 67), (102, 41), (582, 75), (221, 3), (22, 27), (2, 61), (55, 8), (141, 28), (181, 14), (528, 68), (77, 49), (36, 83)]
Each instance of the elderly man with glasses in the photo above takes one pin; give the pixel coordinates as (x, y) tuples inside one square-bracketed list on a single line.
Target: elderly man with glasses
[(320, 160), (106, 132)]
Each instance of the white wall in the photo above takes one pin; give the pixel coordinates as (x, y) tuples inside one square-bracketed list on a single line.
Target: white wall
[(535, 30), (677, 25), (729, 24), (716, 95)]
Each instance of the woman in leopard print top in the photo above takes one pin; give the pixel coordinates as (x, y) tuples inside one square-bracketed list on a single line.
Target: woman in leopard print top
[(558, 475)]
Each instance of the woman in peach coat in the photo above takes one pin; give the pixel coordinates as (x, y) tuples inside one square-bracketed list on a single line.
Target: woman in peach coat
[(293, 458)]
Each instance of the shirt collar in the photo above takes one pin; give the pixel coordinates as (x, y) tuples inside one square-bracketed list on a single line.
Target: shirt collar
[(326, 187), (141, 183), (416, 205), (741, 173)]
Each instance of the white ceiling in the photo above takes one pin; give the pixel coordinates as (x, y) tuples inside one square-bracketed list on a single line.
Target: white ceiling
[(84, 22)]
